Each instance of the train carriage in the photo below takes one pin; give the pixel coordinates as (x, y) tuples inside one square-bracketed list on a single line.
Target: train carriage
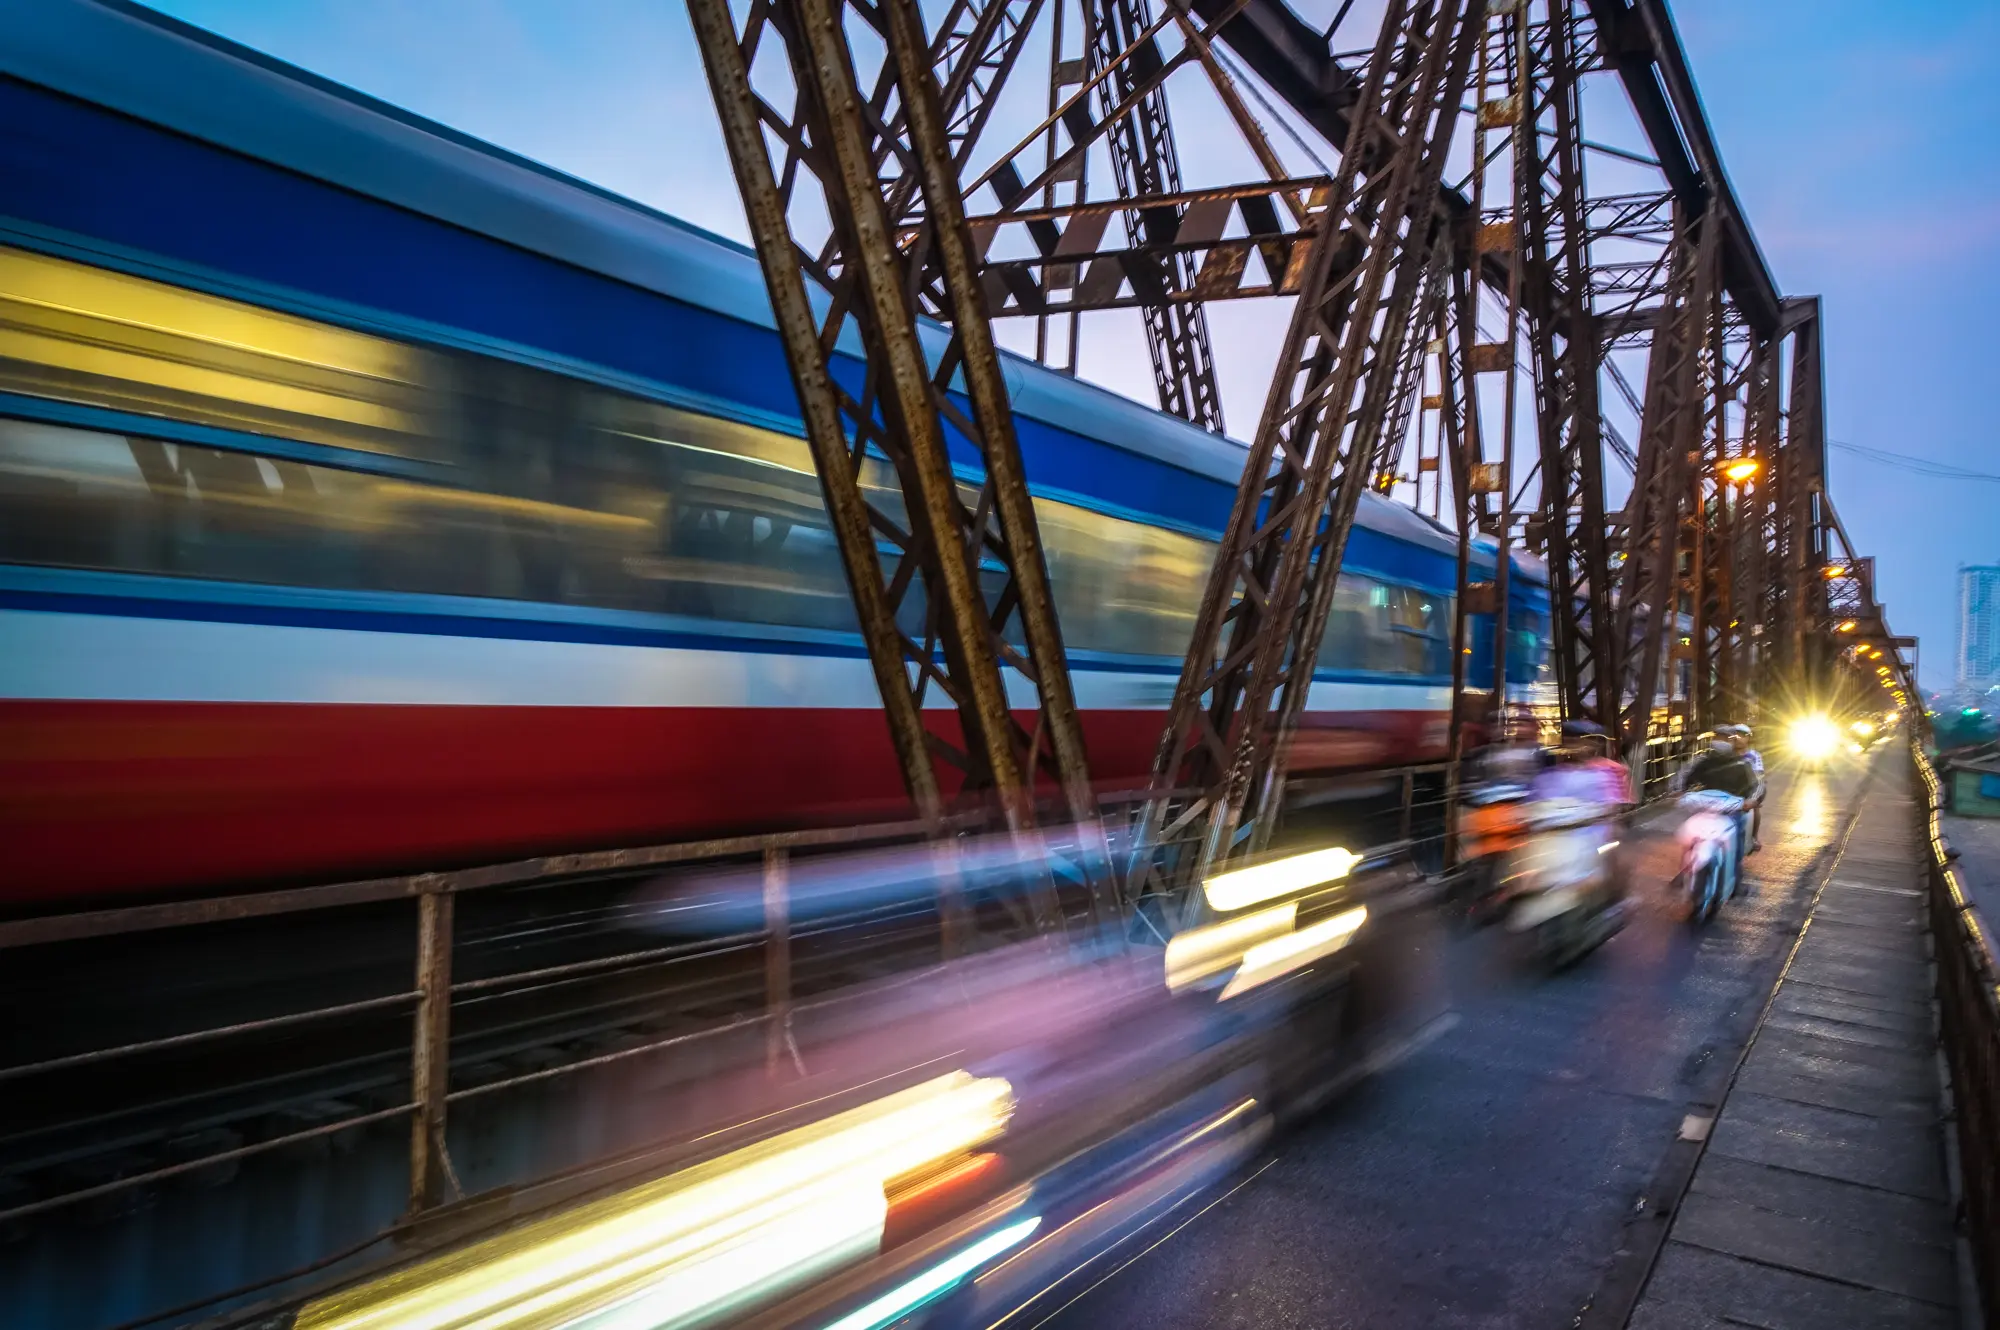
[(371, 498)]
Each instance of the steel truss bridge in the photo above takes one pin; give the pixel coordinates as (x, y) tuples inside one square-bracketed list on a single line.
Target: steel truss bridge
[(1546, 339), (1466, 329)]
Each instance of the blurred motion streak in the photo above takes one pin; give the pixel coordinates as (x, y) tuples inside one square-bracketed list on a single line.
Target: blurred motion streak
[(1201, 952), (1280, 877), (936, 1280), (731, 899), (1283, 955), (700, 1243)]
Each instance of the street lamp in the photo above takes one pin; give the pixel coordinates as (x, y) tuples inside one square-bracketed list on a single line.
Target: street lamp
[(1845, 626), (1740, 469)]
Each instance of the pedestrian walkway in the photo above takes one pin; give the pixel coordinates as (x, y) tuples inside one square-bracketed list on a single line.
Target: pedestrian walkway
[(1821, 1200)]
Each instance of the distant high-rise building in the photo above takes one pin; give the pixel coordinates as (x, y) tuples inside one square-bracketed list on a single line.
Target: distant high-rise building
[(1978, 627)]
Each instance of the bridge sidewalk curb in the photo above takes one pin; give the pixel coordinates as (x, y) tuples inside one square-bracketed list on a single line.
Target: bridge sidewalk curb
[(1647, 1229)]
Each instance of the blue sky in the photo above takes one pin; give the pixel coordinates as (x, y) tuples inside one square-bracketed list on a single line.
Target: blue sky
[(1861, 141), (1860, 138)]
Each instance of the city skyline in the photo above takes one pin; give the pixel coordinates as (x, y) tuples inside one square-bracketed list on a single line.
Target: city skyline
[(1976, 652)]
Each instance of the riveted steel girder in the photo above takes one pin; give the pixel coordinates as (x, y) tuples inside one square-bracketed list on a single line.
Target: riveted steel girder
[(880, 449), (1559, 226), (1648, 610), (1257, 632)]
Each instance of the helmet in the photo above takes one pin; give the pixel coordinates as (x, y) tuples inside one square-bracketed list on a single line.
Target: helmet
[(1720, 744)]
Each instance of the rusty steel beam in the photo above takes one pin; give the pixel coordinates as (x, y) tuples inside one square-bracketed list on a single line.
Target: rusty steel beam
[(1674, 410), (1173, 256), (1805, 457), (1758, 531), (1078, 272), (431, 1182), (1560, 224), (1145, 162), (874, 262), (1258, 629), (1639, 39)]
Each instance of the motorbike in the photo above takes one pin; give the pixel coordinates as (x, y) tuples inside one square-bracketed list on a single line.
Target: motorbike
[(1492, 824), (1560, 890), (1708, 851)]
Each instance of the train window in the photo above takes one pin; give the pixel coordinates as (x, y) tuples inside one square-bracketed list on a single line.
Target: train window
[(556, 490), (634, 527), (1122, 587), (1527, 646), (1419, 626), (1357, 629), (84, 334)]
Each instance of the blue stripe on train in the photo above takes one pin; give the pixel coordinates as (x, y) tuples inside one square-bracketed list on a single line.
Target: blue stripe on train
[(289, 231), (156, 191)]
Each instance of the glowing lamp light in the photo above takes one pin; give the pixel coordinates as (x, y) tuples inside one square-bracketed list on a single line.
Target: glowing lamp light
[(1741, 469), (1281, 877), (1846, 626), (1835, 571)]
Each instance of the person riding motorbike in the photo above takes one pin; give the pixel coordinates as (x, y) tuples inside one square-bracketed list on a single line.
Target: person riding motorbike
[(1563, 891), (1739, 739), (1722, 769), (1583, 770), (1492, 822)]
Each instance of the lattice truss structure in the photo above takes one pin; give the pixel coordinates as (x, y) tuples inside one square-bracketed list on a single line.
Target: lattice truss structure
[(1555, 343), (1626, 395)]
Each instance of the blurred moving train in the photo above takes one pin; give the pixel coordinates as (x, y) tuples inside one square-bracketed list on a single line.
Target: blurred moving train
[(371, 499)]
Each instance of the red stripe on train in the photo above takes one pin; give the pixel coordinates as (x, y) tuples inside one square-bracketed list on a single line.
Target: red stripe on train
[(110, 799)]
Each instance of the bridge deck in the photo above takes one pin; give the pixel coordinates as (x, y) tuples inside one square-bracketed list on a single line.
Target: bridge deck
[(1822, 1199), (1530, 1165)]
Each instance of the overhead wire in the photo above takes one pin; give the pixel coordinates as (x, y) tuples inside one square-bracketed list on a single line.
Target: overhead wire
[(1249, 85), (1924, 466)]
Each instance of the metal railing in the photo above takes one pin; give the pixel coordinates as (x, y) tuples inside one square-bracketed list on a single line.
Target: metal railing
[(1661, 760), (1968, 995), (428, 1064), (629, 999)]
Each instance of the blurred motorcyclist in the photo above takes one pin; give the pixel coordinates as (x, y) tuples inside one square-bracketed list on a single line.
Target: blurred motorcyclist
[(1492, 822), (1722, 768), (1739, 739), (1582, 770), (1517, 758)]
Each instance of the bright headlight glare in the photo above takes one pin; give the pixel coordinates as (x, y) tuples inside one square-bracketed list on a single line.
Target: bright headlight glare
[(1281, 877), (1282, 955), (1200, 952), (1815, 737), (696, 1245)]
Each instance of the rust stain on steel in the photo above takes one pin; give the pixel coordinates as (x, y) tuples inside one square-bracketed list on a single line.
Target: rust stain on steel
[(430, 1051)]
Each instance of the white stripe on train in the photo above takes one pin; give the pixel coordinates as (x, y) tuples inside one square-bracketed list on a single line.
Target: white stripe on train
[(77, 657)]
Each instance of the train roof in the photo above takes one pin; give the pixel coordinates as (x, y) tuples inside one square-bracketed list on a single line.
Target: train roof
[(161, 71)]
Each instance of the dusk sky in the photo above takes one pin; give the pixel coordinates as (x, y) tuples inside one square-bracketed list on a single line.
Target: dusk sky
[(1859, 136)]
